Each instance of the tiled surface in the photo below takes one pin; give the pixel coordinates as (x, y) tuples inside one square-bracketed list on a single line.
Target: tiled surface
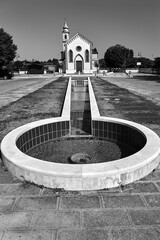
[(103, 214), (120, 133), (60, 150), (105, 218), (41, 134)]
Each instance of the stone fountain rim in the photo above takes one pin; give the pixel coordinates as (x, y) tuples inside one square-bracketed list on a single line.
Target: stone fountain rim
[(18, 159)]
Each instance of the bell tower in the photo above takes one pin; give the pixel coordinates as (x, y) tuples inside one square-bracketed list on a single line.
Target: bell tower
[(65, 34)]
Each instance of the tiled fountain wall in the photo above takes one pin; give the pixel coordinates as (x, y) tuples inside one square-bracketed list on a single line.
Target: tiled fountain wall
[(118, 133), (42, 134)]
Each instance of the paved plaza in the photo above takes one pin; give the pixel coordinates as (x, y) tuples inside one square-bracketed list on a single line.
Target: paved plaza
[(130, 212)]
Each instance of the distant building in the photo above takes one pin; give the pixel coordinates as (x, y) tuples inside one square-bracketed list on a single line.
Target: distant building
[(49, 68), (78, 55), (35, 68)]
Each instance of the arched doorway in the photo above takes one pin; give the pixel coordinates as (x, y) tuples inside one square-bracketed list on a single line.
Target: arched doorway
[(79, 63)]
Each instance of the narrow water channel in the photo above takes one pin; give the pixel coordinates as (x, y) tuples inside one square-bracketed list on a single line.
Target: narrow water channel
[(80, 107)]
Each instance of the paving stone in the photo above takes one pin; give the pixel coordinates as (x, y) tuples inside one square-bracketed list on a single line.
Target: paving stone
[(15, 220), (52, 192), (10, 190), (136, 234), (145, 217), (7, 178), (6, 204), (122, 201), (99, 218), (29, 235), (84, 234), (154, 176), (147, 234), (110, 190), (18, 189), (153, 200), (3, 169), (57, 219), (30, 190), (1, 234), (122, 234), (158, 183), (139, 187), (36, 203), (159, 163), (80, 202)]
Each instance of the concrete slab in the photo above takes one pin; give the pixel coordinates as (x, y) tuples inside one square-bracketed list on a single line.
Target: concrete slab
[(1, 234), (80, 202), (85, 234), (8, 179), (15, 220), (136, 234), (153, 200), (140, 187), (30, 235), (131, 201), (10, 190), (6, 204), (36, 203), (154, 176), (105, 218), (57, 219), (145, 217)]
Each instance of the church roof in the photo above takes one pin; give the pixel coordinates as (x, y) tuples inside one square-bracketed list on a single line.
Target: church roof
[(81, 36)]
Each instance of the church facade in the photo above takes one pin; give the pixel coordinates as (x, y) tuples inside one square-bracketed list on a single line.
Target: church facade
[(78, 55)]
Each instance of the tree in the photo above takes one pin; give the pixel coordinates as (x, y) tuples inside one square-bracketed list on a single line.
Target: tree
[(17, 65), (117, 56), (131, 63), (49, 61), (145, 62), (102, 63), (55, 62), (7, 48)]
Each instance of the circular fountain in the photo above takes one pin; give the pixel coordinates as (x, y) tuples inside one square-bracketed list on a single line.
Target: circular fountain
[(27, 150), (88, 176)]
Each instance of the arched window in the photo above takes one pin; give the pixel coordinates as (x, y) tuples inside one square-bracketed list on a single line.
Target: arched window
[(70, 56), (86, 56)]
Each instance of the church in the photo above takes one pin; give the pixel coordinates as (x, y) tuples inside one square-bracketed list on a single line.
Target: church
[(78, 55)]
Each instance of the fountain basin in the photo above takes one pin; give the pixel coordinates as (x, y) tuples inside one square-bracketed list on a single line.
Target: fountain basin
[(81, 176)]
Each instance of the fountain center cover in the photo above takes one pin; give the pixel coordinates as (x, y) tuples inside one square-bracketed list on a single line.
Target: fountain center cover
[(80, 158)]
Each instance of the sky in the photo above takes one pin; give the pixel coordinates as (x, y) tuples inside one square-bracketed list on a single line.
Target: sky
[(36, 25)]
